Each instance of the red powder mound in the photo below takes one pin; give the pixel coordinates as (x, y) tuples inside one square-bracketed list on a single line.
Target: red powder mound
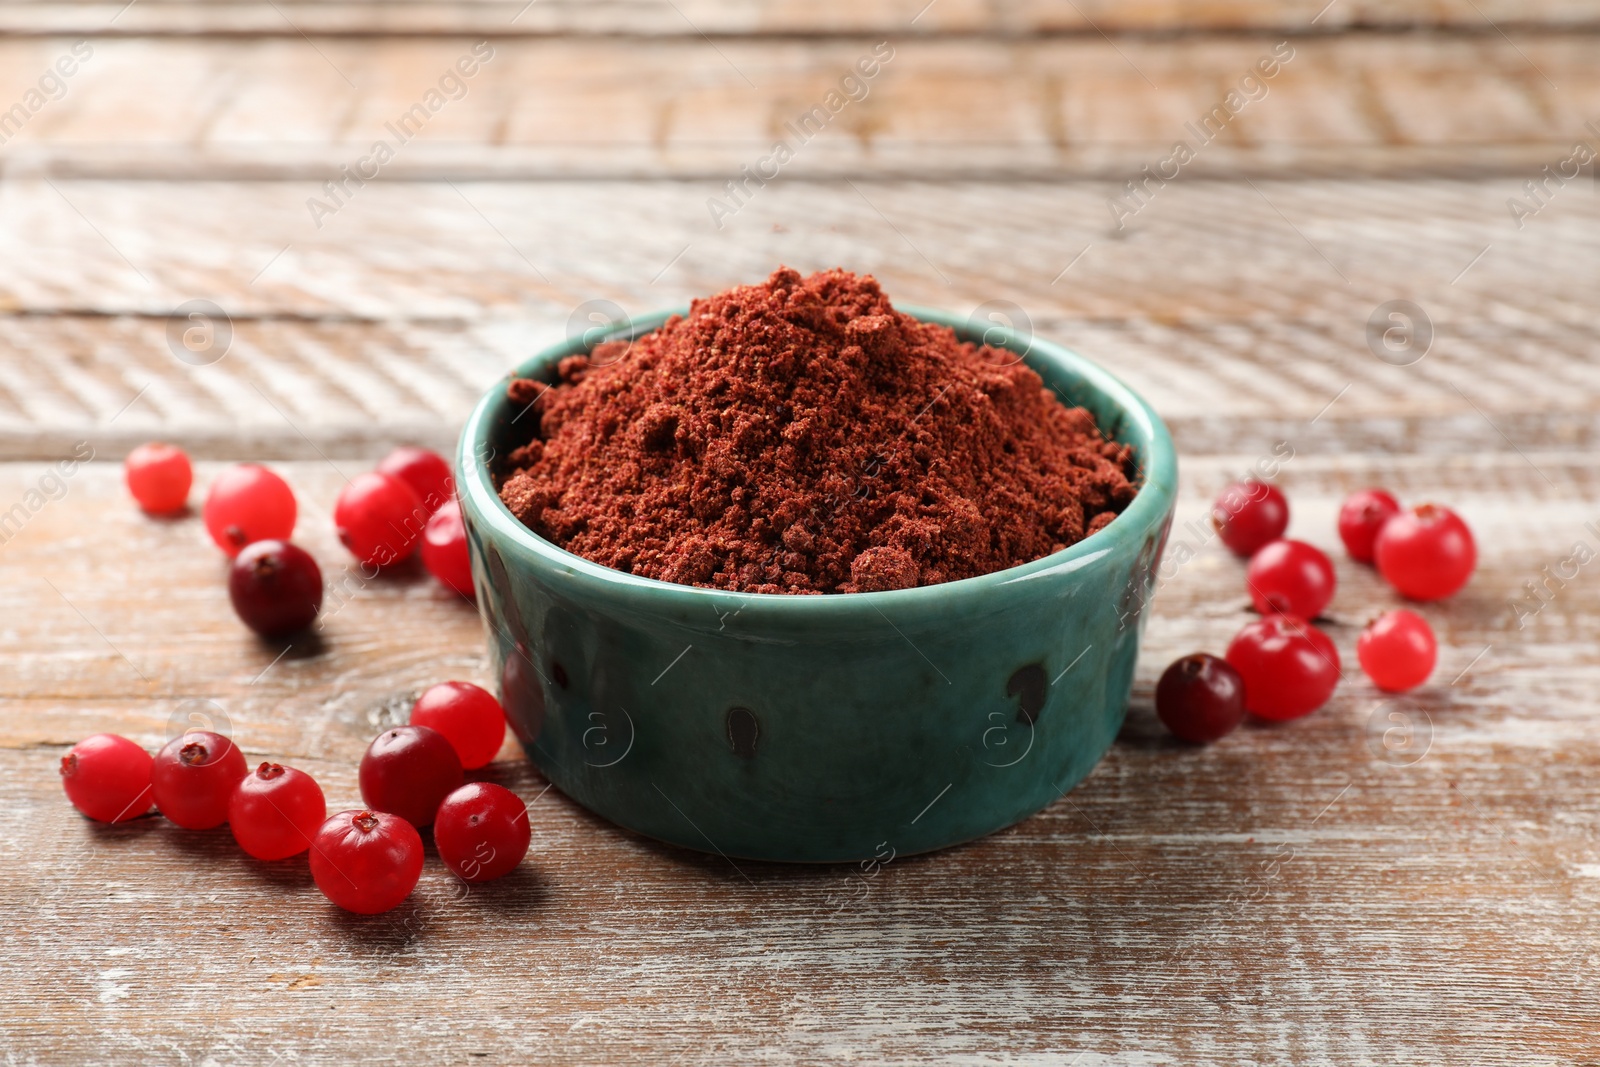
[(802, 436)]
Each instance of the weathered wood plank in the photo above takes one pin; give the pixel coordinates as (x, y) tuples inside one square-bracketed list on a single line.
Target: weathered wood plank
[(1242, 313), (718, 18), (1298, 894), (298, 108)]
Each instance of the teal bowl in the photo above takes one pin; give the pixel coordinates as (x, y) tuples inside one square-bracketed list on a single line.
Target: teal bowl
[(839, 727)]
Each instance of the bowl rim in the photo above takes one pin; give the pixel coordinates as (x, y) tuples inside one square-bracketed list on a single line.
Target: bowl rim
[(1136, 420)]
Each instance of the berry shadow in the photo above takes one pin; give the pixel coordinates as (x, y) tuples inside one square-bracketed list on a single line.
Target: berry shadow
[(408, 571), (523, 890), (291, 875), (1143, 732), (213, 846), (307, 644), (170, 518), (108, 833), (218, 847), (391, 931)]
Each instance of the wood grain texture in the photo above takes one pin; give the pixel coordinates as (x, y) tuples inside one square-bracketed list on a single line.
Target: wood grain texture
[(302, 108), (718, 18), (1396, 882), (1241, 311), (1299, 894)]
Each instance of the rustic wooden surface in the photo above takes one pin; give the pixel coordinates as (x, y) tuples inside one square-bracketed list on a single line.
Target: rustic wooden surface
[(698, 109), (1398, 882)]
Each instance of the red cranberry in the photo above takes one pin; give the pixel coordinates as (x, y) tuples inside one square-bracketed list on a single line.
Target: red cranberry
[(1290, 578), (482, 831), (470, 718), (1289, 667), (444, 549), (366, 861), (107, 777), (1426, 553), (276, 588), (159, 477), (194, 777), (407, 771), (1397, 650), (1361, 517), (1200, 698), (379, 519), (1249, 514), (248, 503), (275, 811), (427, 473)]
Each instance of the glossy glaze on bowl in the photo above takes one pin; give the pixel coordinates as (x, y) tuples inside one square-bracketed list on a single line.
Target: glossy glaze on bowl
[(820, 728)]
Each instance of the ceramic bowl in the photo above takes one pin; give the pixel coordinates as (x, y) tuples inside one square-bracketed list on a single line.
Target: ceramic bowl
[(820, 728)]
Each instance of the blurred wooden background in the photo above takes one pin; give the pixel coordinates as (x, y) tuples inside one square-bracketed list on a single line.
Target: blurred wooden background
[(1411, 882)]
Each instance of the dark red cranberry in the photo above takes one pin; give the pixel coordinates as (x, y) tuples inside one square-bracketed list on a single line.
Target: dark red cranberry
[(276, 588), (407, 771), (1200, 698)]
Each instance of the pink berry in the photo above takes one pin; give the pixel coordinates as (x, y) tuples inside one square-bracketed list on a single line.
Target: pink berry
[(425, 472), (444, 549), (407, 771), (471, 719), (1248, 515), (1290, 578), (379, 519), (276, 588), (1397, 650), (107, 777), (366, 861), (1200, 698), (248, 503), (159, 477), (194, 777), (482, 831), (1289, 667), (275, 812), (1426, 553), (1361, 517)]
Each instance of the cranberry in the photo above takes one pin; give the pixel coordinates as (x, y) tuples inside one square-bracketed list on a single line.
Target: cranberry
[(248, 503), (1248, 515), (1361, 516), (471, 719), (444, 549), (159, 477), (379, 518), (366, 861), (276, 588), (107, 777), (275, 811), (1397, 650), (1200, 698), (407, 771), (1426, 553), (1289, 666), (194, 777), (427, 473), (1290, 578), (482, 831)]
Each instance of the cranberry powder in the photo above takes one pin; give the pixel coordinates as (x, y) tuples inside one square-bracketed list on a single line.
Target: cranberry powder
[(802, 436)]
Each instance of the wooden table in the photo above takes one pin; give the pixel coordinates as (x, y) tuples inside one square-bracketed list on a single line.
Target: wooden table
[(1387, 881)]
